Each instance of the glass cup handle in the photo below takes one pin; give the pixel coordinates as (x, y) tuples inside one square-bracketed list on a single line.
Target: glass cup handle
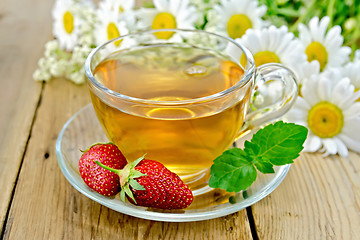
[(274, 94)]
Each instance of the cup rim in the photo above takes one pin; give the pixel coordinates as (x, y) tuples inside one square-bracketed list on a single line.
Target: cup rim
[(249, 69)]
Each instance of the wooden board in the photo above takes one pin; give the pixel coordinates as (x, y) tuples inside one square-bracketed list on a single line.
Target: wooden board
[(53, 209), (319, 199), (24, 29)]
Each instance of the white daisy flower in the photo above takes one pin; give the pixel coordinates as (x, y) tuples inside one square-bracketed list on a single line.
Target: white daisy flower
[(357, 55), (304, 71), (66, 24), (351, 70), (270, 45), (168, 14), (232, 17), (329, 110), (204, 5), (125, 9), (325, 47), (87, 14), (109, 26), (125, 5), (202, 10)]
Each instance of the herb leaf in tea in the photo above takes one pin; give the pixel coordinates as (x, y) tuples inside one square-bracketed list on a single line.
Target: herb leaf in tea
[(233, 165), (275, 144), (280, 143)]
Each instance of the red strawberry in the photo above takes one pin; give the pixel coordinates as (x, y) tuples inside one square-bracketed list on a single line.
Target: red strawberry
[(155, 185), (96, 177)]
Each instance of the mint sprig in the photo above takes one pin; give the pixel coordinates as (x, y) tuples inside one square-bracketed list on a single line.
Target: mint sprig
[(276, 144)]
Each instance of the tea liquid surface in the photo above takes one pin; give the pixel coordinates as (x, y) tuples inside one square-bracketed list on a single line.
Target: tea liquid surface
[(185, 138)]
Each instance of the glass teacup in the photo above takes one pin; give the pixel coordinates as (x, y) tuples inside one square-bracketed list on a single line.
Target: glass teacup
[(185, 100)]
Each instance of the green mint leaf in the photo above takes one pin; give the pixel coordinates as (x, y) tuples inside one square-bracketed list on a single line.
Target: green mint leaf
[(264, 167), (232, 171), (276, 144), (251, 149), (280, 143)]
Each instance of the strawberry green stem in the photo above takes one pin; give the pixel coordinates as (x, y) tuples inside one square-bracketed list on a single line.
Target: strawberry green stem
[(117, 171), (126, 176)]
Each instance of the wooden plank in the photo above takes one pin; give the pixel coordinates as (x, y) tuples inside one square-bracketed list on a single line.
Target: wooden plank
[(319, 199), (24, 29), (46, 206), (115, 225), (39, 202)]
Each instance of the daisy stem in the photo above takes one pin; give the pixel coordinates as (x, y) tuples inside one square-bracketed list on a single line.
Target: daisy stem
[(330, 12), (354, 39), (302, 17)]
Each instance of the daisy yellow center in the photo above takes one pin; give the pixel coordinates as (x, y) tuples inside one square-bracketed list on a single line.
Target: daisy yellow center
[(325, 120), (237, 25), (121, 9), (261, 58), (161, 21), (317, 51), (68, 21), (113, 32)]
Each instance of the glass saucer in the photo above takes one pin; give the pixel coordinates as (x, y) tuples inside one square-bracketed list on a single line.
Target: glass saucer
[(83, 129)]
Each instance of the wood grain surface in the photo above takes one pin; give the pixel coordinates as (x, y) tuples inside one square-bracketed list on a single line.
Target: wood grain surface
[(319, 199), (58, 211), (24, 29)]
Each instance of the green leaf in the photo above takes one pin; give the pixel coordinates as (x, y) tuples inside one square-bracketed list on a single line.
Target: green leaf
[(276, 144), (135, 185), (128, 192), (264, 167), (122, 195), (137, 161), (135, 174), (232, 171), (251, 149), (280, 143)]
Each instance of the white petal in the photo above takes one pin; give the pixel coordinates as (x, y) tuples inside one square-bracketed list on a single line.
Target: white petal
[(342, 149), (352, 97), (261, 10), (342, 92), (322, 28), (330, 146), (304, 34), (176, 6), (162, 5), (334, 36), (309, 90), (353, 111), (274, 38), (357, 55), (350, 143), (313, 26), (253, 42), (302, 104), (295, 115), (264, 44), (324, 89), (234, 51), (312, 143), (351, 128), (285, 42)]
